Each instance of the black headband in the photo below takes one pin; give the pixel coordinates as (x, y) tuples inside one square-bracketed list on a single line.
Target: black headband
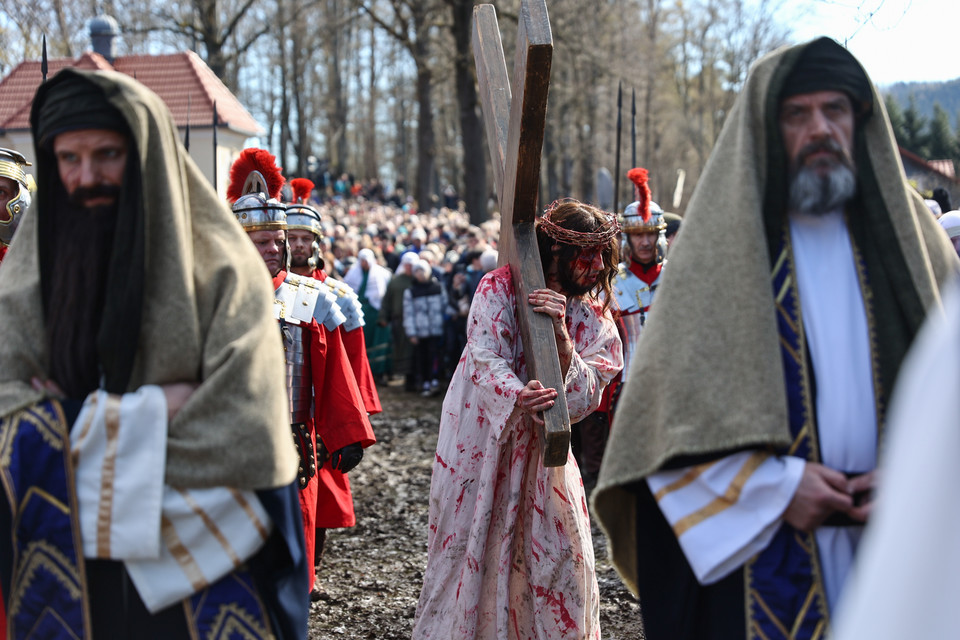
[(71, 103), (826, 66)]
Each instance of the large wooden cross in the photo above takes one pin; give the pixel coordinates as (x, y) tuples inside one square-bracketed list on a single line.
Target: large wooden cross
[(514, 116)]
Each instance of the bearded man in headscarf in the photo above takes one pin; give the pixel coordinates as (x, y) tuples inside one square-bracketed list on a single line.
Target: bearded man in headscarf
[(146, 467), (737, 481)]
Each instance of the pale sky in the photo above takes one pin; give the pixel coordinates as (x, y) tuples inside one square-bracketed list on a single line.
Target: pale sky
[(895, 40)]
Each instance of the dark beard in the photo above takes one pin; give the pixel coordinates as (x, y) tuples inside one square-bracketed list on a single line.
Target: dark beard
[(82, 244), (816, 194), (298, 262), (82, 194), (567, 284)]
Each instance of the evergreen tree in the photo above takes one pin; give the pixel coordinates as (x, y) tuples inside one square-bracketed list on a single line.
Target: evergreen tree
[(895, 113), (940, 142), (915, 130)]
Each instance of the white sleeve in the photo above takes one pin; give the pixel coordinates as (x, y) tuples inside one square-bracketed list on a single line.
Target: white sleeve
[(726, 511), (172, 541), (119, 448)]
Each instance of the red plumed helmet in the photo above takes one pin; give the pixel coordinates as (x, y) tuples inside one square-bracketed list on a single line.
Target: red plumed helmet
[(255, 171), (302, 188), (638, 177)]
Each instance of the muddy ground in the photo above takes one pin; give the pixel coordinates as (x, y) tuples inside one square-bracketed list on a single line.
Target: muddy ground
[(372, 572)]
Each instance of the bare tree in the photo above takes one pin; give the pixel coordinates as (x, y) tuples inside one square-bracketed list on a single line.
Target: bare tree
[(410, 22)]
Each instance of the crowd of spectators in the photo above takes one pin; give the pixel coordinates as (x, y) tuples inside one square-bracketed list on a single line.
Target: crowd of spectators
[(450, 254)]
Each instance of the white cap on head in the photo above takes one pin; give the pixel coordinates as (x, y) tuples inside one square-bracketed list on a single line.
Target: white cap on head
[(950, 221), (367, 254), (409, 257), (422, 266)]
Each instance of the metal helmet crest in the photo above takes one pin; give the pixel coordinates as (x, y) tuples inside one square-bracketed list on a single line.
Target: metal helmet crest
[(642, 215), (254, 191), (11, 167)]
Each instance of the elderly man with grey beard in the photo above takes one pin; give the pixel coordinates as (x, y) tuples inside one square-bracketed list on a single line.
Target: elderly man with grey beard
[(738, 479)]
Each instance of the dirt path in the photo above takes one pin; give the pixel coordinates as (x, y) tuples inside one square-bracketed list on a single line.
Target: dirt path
[(372, 572)]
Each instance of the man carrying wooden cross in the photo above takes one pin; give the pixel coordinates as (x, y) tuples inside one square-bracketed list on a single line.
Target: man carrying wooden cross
[(509, 548)]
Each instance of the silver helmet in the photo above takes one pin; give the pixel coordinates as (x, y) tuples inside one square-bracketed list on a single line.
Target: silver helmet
[(256, 212), (11, 167)]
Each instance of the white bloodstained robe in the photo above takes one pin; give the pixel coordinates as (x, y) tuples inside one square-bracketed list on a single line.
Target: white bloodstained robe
[(510, 553)]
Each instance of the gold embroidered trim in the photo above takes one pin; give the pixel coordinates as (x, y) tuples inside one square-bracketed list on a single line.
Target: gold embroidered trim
[(727, 500), (235, 622), (181, 554), (692, 474), (248, 509), (212, 527), (111, 419)]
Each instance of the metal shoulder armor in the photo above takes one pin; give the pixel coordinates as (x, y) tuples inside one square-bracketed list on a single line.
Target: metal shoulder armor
[(628, 291), (300, 299), (347, 302)]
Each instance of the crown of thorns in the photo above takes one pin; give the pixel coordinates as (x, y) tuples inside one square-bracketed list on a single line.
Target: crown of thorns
[(606, 232)]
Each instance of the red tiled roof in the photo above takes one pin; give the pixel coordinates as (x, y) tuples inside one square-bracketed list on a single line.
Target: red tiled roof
[(17, 89), (944, 166), (935, 166), (178, 78)]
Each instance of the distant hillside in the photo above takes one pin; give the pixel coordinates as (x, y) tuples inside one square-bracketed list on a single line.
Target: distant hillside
[(927, 93)]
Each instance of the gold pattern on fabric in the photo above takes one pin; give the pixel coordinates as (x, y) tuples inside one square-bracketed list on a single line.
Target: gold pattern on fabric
[(789, 349), (212, 527), (766, 609), (181, 554), (42, 556), (808, 435), (795, 628), (235, 622), (798, 441), (727, 500), (47, 424), (108, 474), (692, 474), (786, 318), (809, 424), (242, 501), (787, 284)]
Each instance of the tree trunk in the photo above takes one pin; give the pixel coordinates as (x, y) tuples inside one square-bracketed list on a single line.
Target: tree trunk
[(426, 140), (471, 127), (370, 163)]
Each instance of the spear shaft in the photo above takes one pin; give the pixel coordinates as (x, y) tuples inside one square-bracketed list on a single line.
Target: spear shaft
[(633, 128), (215, 146), (616, 162)]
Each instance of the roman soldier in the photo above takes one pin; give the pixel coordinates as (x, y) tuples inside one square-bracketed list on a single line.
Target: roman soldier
[(638, 276), (304, 234), (645, 244), (15, 194), (327, 413)]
